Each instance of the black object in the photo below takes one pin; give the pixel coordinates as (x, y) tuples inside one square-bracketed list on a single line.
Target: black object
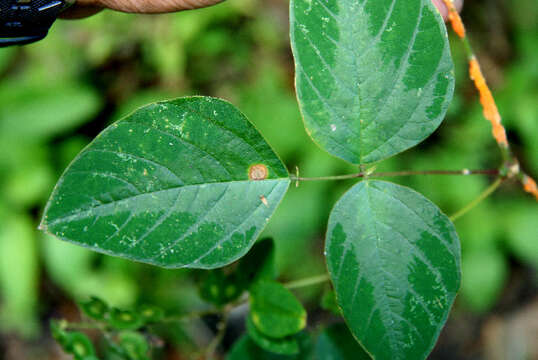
[(26, 21)]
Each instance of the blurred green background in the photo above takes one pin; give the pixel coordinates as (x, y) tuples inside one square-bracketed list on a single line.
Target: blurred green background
[(56, 95)]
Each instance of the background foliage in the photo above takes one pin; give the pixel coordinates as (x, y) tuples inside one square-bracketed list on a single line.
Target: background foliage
[(58, 94)]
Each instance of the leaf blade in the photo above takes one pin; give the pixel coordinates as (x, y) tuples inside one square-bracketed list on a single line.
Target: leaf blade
[(372, 78), (169, 185), (283, 346), (394, 259), (275, 311)]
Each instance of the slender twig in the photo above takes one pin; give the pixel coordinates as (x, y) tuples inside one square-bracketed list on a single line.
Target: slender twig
[(314, 280), (192, 315), (478, 200), (464, 172), (221, 331), (85, 326), (490, 110)]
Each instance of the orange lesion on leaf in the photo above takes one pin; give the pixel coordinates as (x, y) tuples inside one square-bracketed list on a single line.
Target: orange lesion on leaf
[(258, 172), (491, 112), (529, 185), (455, 19)]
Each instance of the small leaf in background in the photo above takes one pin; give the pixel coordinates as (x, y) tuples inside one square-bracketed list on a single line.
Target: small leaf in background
[(95, 308), (29, 183), (219, 288), (520, 224), (275, 311), (328, 302), (150, 313), (484, 275), (125, 319), (373, 78), (258, 263), (246, 349), (394, 259), (182, 183), (134, 345), (31, 111), (79, 345), (57, 330), (286, 346), (19, 274), (337, 343), (222, 286), (73, 269), (68, 149)]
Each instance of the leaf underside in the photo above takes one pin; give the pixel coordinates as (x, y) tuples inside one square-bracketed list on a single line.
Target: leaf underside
[(373, 78), (394, 259), (170, 185)]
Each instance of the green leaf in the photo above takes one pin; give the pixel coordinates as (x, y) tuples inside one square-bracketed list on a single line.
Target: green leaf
[(31, 111), (485, 273), (19, 275), (394, 259), (222, 286), (258, 264), (79, 345), (286, 346), (521, 228), (125, 319), (219, 288), (275, 311), (151, 313), (29, 183), (57, 329), (134, 345), (246, 349), (337, 343), (373, 78), (328, 302), (94, 308), (182, 183)]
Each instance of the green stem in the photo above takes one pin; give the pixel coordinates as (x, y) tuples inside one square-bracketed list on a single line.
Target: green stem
[(314, 280), (190, 316), (464, 172), (478, 200), (221, 331), (467, 47), (85, 326)]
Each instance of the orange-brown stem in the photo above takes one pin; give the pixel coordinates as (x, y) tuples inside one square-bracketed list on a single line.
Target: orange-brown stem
[(529, 185), (490, 110)]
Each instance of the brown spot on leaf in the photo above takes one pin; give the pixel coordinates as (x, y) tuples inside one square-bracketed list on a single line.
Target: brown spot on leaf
[(258, 172)]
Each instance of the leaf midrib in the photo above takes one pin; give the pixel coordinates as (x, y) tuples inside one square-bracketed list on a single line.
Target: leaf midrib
[(44, 224)]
